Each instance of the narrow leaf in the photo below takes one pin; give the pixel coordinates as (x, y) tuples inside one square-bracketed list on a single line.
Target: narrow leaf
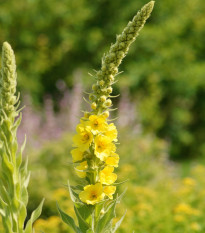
[(117, 225), (36, 213), (68, 220), (105, 220)]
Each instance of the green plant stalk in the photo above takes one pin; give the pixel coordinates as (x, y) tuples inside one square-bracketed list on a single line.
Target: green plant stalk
[(97, 218), (14, 175)]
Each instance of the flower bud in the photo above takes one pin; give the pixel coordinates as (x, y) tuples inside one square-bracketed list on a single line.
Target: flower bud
[(120, 55), (99, 74), (115, 70), (101, 82), (94, 87), (106, 114), (93, 105), (104, 67), (111, 65), (109, 90), (91, 97), (108, 103), (86, 114), (103, 98)]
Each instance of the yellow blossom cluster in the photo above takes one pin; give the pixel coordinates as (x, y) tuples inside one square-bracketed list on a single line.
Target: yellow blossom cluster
[(95, 157)]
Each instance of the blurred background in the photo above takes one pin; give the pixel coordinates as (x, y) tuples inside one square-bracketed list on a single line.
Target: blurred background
[(161, 108)]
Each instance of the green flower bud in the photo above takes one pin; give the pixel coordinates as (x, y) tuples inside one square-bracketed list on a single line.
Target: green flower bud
[(86, 114), (101, 83), (103, 98), (108, 103), (109, 90), (91, 97), (106, 114), (93, 105), (94, 87)]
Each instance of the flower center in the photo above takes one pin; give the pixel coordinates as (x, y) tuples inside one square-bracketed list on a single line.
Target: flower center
[(95, 123), (93, 196), (86, 137)]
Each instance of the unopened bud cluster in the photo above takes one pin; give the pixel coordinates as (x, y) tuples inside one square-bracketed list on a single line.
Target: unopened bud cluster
[(8, 81), (100, 98)]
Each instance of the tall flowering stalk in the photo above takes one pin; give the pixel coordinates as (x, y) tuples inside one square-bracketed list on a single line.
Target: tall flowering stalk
[(14, 175), (94, 154)]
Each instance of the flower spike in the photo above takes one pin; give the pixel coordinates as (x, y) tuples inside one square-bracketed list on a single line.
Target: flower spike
[(96, 140)]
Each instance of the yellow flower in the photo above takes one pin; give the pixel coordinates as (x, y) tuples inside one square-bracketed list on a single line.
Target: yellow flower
[(92, 194), (103, 147), (80, 168), (107, 176), (195, 226), (186, 209), (113, 160), (111, 132), (109, 191), (189, 182), (97, 123), (84, 137), (77, 155)]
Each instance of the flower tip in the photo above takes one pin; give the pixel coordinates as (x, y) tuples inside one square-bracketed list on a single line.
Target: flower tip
[(150, 5), (6, 45)]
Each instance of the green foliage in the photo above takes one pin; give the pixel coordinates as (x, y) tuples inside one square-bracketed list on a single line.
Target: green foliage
[(168, 82)]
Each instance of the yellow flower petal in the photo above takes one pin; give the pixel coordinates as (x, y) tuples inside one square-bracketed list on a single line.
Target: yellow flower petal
[(107, 176), (113, 160), (79, 169), (77, 155), (97, 123), (103, 147), (92, 194), (111, 132), (109, 191), (84, 137)]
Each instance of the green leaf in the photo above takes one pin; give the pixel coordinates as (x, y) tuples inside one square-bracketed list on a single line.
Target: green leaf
[(90, 231), (98, 208), (73, 195), (119, 183), (68, 220), (83, 215), (105, 221), (118, 198), (36, 213), (22, 214), (117, 225)]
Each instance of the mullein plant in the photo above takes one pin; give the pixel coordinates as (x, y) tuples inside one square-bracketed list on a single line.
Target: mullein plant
[(14, 175), (94, 154)]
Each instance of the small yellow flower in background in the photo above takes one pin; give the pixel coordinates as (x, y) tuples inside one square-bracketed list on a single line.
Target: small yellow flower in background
[(113, 160), (77, 155), (92, 194), (179, 218), (195, 226), (103, 147), (107, 176), (82, 166), (109, 191), (97, 123), (84, 137), (111, 132), (189, 182), (184, 208)]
